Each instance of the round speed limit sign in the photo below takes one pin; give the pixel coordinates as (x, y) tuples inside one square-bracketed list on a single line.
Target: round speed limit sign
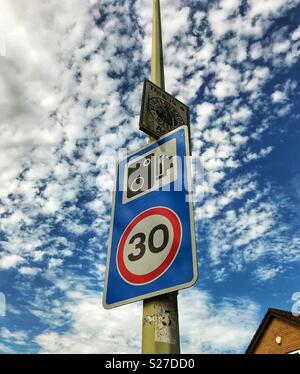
[(149, 245)]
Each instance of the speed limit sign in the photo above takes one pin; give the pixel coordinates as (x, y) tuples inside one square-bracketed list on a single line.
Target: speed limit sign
[(149, 245), (152, 246)]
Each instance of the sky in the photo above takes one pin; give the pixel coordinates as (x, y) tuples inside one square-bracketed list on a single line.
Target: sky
[(71, 78)]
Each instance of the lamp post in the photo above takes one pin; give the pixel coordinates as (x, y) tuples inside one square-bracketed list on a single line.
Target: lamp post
[(160, 332)]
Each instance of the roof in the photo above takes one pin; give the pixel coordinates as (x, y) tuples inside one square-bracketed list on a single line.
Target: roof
[(271, 313)]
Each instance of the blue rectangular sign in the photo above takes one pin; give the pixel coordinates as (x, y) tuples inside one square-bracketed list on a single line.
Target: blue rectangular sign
[(152, 246)]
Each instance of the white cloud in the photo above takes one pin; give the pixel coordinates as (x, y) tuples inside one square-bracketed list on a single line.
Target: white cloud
[(204, 113), (95, 330), (258, 78), (296, 34), (55, 262), (16, 337), (205, 53), (265, 273), (278, 96), (237, 190), (198, 17), (243, 233), (10, 261), (281, 47), (28, 271), (216, 136), (219, 16), (255, 225), (269, 8), (261, 154), (227, 81), (225, 327), (225, 89), (256, 51)]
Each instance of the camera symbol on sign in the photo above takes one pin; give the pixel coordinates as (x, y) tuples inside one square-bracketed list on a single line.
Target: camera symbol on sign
[(145, 174)]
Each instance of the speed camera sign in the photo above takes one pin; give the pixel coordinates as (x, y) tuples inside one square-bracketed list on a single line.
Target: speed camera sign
[(152, 239)]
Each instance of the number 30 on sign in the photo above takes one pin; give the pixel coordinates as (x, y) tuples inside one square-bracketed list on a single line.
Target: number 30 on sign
[(152, 240), (149, 245)]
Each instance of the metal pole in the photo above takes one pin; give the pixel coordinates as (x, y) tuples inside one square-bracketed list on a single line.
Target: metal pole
[(160, 314), (157, 59)]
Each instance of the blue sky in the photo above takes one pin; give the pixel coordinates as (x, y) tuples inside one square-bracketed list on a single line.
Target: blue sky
[(70, 93)]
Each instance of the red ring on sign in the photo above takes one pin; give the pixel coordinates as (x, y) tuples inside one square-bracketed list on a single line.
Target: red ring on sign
[(149, 277)]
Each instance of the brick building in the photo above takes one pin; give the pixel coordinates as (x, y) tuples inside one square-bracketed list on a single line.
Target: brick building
[(278, 333)]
